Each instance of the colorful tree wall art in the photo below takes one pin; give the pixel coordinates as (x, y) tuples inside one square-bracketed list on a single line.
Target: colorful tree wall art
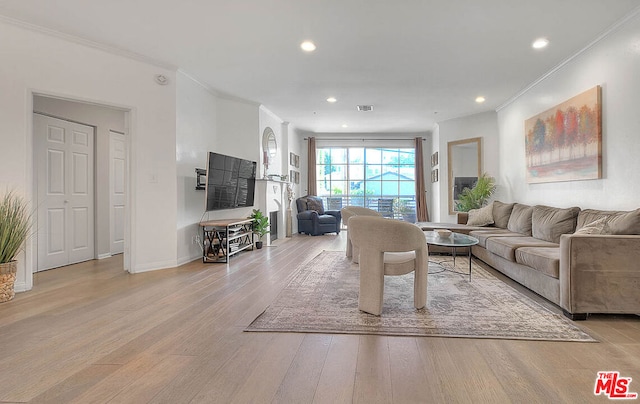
[(564, 143)]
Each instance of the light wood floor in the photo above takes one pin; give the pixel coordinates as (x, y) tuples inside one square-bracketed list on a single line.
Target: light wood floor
[(93, 333)]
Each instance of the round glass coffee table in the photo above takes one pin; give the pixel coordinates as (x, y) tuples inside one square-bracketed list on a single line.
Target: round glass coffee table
[(454, 241)]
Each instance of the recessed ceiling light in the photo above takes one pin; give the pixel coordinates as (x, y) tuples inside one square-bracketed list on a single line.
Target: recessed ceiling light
[(540, 43), (308, 46), (344, 125), (480, 99), (331, 99)]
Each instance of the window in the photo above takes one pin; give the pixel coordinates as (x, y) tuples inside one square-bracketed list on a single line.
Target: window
[(382, 179)]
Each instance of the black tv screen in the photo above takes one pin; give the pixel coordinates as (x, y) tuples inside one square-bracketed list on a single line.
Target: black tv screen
[(230, 182)]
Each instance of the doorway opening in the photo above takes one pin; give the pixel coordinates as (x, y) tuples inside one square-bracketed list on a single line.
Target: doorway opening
[(68, 161)]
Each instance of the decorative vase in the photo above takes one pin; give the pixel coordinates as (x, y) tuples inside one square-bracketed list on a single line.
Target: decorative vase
[(258, 244), (7, 280)]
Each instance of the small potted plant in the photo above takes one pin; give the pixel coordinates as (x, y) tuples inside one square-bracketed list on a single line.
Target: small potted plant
[(15, 222), (260, 226)]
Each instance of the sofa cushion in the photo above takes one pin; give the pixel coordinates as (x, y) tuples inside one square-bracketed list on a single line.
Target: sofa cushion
[(599, 226), (501, 214), (484, 235), (481, 217), (506, 247), (543, 259), (327, 219), (520, 219), (549, 223), (619, 222)]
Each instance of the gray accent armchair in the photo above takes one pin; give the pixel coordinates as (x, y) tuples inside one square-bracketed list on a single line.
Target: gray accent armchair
[(313, 219)]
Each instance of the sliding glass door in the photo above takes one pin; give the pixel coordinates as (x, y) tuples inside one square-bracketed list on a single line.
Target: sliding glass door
[(378, 178)]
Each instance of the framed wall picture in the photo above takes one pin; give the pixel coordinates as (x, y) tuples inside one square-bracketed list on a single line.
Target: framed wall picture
[(292, 159), (434, 159), (564, 143), (297, 161)]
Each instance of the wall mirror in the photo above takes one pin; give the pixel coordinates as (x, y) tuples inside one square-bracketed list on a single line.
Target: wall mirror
[(269, 143), (464, 167)]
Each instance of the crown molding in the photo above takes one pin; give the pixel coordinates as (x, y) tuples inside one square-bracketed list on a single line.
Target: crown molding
[(88, 43), (217, 93), (559, 66)]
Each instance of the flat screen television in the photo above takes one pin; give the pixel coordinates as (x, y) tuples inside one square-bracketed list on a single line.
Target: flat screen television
[(231, 182)]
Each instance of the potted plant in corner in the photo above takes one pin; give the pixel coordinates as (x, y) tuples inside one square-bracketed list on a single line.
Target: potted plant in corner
[(476, 197), (260, 226), (15, 222)]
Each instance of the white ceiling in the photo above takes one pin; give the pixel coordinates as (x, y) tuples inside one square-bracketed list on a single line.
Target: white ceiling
[(417, 62)]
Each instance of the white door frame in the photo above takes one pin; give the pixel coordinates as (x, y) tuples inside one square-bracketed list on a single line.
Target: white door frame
[(31, 250)]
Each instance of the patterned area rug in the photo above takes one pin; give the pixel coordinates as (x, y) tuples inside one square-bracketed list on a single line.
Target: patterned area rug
[(323, 298)]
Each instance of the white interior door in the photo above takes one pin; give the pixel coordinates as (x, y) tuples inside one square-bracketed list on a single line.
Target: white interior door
[(117, 168), (64, 167)]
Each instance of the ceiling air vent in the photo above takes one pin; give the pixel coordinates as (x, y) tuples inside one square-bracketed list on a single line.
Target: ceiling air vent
[(365, 108)]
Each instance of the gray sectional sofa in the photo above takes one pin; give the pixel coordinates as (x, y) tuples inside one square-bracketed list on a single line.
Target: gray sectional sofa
[(585, 261)]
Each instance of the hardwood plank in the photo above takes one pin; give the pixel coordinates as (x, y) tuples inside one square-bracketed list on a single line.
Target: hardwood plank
[(337, 379), (410, 378), (269, 370), (373, 372), (301, 380), (144, 387)]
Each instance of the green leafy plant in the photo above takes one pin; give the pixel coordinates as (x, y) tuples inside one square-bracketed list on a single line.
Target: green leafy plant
[(15, 223), (260, 223), (476, 197)]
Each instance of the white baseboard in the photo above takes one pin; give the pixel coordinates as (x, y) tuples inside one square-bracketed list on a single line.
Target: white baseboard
[(103, 256), (20, 287), (153, 266), (186, 260)]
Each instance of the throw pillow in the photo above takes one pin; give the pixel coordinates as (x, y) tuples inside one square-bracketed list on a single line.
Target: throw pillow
[(520, 219), (596, 227), (501, 214), (315, 204), (481, 217), (549, 223)]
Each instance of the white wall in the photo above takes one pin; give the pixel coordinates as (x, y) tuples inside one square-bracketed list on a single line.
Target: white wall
[(614, 64), (33, 62), (484, 125), (433, 197), (196, 113), (103, 119), (207, 121), (276, 164)]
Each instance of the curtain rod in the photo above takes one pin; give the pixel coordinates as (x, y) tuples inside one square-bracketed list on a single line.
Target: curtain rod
[(363, 139)]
